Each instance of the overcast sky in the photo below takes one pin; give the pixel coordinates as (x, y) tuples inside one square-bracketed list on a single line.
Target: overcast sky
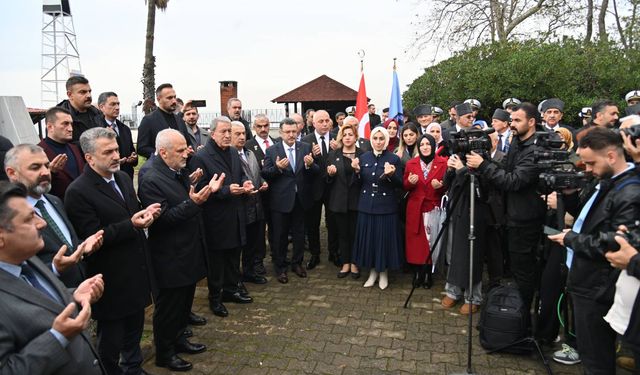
[(269, 47)]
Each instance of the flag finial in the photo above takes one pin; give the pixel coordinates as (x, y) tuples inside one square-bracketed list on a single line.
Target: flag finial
[(394, 63), (361, 55)]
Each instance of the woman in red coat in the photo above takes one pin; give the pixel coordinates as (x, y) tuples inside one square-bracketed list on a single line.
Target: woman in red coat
[(423, 180)]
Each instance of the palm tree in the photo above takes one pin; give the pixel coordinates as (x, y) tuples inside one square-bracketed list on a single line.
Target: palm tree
[(148, 69)]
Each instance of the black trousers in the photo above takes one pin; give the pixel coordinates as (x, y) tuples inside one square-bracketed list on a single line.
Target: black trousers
[(595, 338), (523, 247), (224, 271), (494, 253), (118, 344), (255, 245), (282, 224), (312, 225), (266, 206), (552, 283), (346, 233), (170, 317)]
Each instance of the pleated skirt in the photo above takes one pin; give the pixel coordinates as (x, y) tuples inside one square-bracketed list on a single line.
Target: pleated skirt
[(378, 242)]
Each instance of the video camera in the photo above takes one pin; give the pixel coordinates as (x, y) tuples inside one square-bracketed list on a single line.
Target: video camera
[(465, 141), (632, 236), (633, 132), (557, 171)]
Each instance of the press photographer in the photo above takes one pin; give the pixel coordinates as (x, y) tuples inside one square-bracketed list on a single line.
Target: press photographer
[(525, 209), (599, 209)]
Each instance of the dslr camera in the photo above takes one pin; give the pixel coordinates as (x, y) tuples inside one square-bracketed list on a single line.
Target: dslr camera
[(465, 141), (632, 236)]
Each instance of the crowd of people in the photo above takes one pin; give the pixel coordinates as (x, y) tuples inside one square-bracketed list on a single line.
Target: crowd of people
[(219, 202)]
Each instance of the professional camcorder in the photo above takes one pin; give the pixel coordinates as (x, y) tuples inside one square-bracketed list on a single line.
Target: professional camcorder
[(557, 171), (465, 141), (633, 132)]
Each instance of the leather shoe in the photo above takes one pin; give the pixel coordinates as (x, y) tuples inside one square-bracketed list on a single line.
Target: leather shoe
[(190, 347), (468, 308), (196, 320), (448, 302), (355, 275), (235, 298), (186, 333), (255, 279), (174, 363), (242, 289), (259, 269), (342, 275), (218, 309), (299, 270), (313, 262), (282, 278)]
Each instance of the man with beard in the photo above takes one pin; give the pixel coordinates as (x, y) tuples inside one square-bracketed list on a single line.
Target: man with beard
[(66, 158), (62, 252), (224, 216), (599, 209), (85, 116), (110, 106), (162, 118), (177, 246), (196, 137), (234, 109), (525, 209), (103, 198)]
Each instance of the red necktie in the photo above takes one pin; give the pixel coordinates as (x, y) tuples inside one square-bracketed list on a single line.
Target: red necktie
[(266, 143)]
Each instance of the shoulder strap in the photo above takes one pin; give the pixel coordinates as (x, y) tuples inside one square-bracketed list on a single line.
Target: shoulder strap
[(631, 181)]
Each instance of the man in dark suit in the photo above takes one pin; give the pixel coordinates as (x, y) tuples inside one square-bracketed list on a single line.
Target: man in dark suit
[(234, 110), (62, 252), (110, 106), (103, 198), (41, 331), (289, 169), (224, 216), (258, 145), (66, 158), (177, 246), (321, 143), (254, 208), (162, 118), (374, 119)]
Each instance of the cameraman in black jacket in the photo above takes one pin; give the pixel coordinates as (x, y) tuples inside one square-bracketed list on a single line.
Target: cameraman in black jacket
[(525, 209), (599, 210)]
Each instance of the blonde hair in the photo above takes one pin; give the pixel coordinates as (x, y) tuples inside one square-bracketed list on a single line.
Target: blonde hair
[(566, 136), (344, 127)]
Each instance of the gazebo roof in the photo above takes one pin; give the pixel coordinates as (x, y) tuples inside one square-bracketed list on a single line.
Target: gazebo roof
[(321, 89)]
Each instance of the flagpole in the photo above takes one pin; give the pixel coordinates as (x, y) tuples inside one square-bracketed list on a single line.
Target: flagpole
[(394, 63)]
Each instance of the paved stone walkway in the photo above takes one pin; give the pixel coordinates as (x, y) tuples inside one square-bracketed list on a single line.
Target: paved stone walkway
[(326, 325)]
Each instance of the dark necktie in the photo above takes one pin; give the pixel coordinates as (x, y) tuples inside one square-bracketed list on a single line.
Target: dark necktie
[(500, 145), (245, 163), (324, 145), (52, 224), (29, 276), (112, 183)]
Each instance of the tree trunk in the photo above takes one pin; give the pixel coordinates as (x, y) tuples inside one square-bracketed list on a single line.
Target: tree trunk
[(587, 37), (148, 69), (602, 27)]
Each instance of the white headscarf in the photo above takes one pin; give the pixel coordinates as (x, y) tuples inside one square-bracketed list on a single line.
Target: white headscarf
[(385, 133)]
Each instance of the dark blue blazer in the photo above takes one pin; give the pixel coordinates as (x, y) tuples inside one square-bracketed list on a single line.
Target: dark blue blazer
[(287, 185), (377, 195)]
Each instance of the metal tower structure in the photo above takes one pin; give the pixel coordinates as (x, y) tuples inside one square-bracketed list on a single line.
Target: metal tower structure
[(60, 56)]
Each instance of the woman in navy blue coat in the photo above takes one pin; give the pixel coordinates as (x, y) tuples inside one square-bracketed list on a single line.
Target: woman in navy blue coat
[(378, 242)]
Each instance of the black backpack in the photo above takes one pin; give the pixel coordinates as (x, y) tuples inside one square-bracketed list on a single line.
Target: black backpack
[(503, 321)]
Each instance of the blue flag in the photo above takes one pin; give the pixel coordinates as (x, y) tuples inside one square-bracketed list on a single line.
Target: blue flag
[(395, 107)]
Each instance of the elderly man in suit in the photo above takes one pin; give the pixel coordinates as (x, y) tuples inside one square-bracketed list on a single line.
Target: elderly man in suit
[(321, 143), (253, 207), (224, 216), (258, 145), (177, 246), (41, 331), (110, 106), (62, 252), (289, 168), (66, 158), (103, 198), (163, 117)]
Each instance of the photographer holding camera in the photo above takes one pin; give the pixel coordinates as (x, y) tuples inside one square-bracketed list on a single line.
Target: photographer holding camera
[(525, 210), (599, 210)]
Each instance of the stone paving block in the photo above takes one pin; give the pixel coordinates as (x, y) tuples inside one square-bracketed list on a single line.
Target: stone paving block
[(346, 361), (363, 351), (402, 365), (373, 332), (449, 358), (389, 353), (383, 342), (377, 364), (305, 366), (329, 369), (337, 348), (355, 340), (393, 334)]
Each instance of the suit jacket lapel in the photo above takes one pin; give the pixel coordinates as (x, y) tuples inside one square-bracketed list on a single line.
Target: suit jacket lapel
[(20, 289), (299, 157), (104, 187), (63, 215)]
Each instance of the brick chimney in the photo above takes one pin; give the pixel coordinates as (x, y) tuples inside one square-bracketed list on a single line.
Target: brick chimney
[(228, 90)]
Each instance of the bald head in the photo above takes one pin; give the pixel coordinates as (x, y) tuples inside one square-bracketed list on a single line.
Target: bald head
[(321, 122), (171, 146)]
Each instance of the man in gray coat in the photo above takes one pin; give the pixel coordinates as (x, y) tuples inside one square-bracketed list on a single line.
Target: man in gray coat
[(41, 331)]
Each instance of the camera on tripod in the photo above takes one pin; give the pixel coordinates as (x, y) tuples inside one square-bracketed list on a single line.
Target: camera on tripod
[(632, 236), (465, 141), (557, 171)]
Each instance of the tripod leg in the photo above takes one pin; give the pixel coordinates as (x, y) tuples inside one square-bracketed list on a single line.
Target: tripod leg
[(545, 362), (406, 303)]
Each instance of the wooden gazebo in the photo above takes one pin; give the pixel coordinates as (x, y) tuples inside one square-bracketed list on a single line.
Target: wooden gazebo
[(321, 93)]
